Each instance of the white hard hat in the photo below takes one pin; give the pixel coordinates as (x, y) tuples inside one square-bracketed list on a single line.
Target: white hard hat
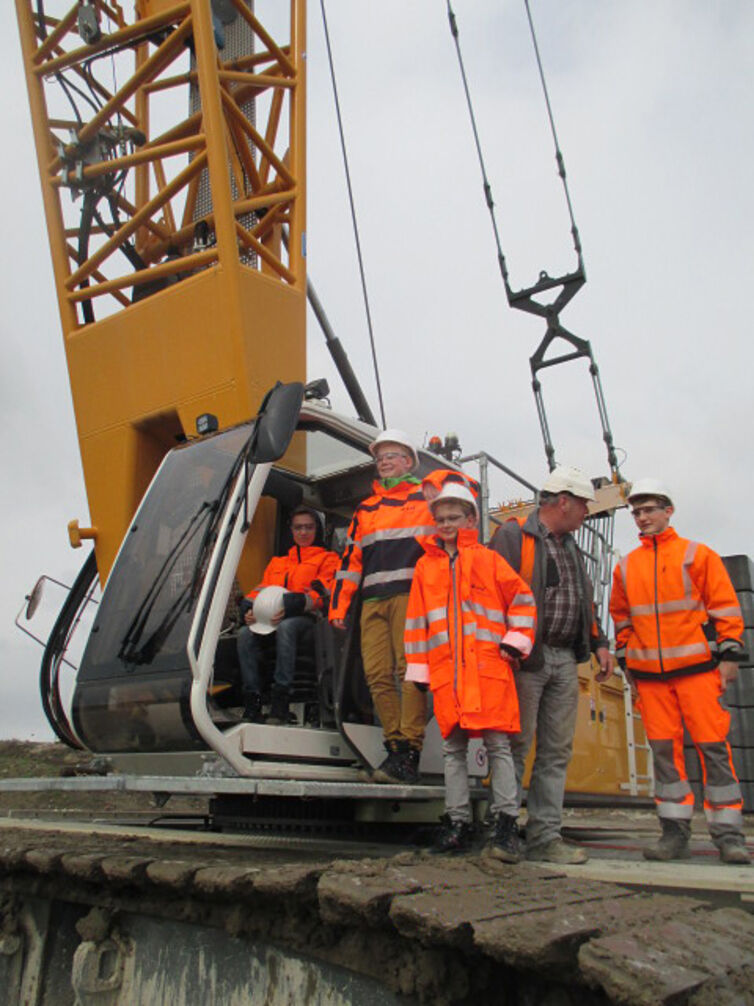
[(650, 487), (565, 479), (454, 492), (395, 437), (267, 603)]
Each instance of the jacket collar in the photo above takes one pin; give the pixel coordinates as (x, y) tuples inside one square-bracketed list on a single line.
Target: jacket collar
[(402, 488), (648, 540), (466, 536), (296, 554)]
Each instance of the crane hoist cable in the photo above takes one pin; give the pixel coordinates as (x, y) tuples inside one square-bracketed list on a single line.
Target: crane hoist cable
[(567, 285), (353, 215)]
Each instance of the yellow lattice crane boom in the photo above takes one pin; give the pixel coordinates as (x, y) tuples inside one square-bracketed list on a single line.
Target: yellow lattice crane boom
[(171, 150)]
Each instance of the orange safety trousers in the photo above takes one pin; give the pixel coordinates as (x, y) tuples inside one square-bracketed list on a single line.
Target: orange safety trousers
[(693, 700)]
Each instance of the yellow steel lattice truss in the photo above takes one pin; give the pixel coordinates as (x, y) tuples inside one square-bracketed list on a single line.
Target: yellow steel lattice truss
[(171, 152)]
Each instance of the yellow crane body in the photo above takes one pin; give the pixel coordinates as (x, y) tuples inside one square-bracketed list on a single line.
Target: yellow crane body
[(212, 313)]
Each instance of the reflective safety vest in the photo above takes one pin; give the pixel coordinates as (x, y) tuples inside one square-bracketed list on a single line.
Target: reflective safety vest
[(383, 545), (663, 594), (460, 610), (297, 571)]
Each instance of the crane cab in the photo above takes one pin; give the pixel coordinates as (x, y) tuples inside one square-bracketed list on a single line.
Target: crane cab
[(160, 671)]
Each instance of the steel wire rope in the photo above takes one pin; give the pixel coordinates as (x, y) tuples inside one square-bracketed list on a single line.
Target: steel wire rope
[(353, 215), (485, 181), (558, 154)]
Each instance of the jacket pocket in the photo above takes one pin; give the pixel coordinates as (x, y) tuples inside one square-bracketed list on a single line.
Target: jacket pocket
[(493, 666)]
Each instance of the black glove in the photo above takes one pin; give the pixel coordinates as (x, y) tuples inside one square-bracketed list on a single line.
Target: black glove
[(512, 655), (294, 604), (421, 685)]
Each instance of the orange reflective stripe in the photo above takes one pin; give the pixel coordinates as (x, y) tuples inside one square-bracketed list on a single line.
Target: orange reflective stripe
[(668, 607)]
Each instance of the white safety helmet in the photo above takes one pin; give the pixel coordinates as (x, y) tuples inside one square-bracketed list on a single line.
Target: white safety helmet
[(565, 479), (267, 603), (395, 437), (454, 492), (650, 487)]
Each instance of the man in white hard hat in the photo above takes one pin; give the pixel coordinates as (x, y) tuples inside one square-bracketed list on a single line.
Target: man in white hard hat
[(542, 550), (382, 549), (664, 593)]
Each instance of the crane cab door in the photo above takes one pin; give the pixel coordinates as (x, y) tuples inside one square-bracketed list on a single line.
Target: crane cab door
[(147, 668)]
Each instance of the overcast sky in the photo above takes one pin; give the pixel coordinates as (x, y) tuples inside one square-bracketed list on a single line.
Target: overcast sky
[(653, 106)]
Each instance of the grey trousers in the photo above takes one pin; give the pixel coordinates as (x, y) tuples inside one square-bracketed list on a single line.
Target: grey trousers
[(548, 701), (503, 794)]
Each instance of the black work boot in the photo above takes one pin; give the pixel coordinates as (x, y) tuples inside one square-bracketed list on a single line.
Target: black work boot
[(280, 714), (505, 843), (252, 711), (733, 850), (454, 837), (392, 767), (673, 843), (408, 769)]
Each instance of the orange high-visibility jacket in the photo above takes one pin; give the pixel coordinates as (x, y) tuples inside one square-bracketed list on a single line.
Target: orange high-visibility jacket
[(460, 610), (383, 545), (297, 571), (663, 594)]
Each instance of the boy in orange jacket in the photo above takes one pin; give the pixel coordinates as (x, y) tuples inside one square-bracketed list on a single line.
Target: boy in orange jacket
[(470, 619)]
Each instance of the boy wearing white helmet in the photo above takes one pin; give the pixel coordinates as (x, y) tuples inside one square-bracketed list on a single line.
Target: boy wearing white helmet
[(542, 549), (382, 548), (470, 618)]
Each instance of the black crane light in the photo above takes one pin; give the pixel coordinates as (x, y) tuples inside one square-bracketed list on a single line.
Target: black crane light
[(207, 423)]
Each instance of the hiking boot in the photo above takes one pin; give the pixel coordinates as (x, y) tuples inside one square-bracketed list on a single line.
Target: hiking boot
[(672, 844), (408, 770), (504, 843), (280, 714), (252, 711), (733, 850), (556, 851), (454, 837), (391, 768)]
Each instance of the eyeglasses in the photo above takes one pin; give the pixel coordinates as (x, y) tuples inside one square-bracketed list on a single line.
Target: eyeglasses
[(303, 527), (639, 510), (389, 456)]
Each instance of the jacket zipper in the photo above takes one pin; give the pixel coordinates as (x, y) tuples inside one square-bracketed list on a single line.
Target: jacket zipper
[(452, 563), (657, 612)]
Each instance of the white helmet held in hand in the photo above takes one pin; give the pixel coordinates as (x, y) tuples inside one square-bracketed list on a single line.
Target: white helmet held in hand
[(395, 437), (650, 487), (454, 492), (267, 603), (565, 479)]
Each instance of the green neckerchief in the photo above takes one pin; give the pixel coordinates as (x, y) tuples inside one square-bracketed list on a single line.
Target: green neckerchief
[(392, 483)]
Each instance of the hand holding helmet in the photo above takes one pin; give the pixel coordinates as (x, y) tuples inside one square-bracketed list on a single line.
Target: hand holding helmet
[(268, 610)]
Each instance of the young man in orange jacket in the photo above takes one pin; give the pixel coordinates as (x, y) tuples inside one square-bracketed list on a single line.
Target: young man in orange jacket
[(305, 563), (663, 594), (470, 619), (382, 549)]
